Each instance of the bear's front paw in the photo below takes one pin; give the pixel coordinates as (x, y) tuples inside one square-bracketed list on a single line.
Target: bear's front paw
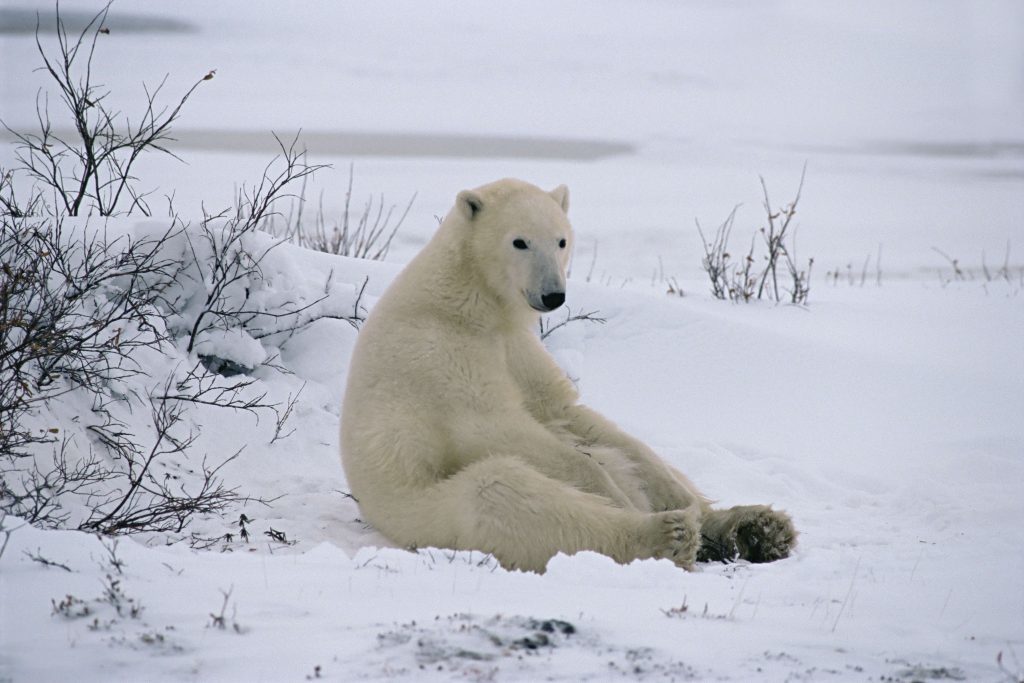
[(674, 535), (755, 533)]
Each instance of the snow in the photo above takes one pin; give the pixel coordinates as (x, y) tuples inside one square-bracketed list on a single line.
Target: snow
[(885, 418)]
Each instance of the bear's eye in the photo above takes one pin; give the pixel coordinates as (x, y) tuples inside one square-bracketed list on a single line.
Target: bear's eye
[(519, 243), (561, 244)]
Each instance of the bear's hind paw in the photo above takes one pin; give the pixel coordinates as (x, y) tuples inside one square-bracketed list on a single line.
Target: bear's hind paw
[(766, 536), (754, 533)]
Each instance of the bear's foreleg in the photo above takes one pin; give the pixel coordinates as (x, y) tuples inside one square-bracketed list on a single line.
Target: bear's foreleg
[(520, 436), (665, 488)]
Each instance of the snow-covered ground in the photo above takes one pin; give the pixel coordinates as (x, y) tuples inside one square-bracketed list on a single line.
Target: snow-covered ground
[(885, 418)]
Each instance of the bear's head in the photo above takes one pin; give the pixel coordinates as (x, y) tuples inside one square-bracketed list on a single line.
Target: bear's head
[(520, 239)]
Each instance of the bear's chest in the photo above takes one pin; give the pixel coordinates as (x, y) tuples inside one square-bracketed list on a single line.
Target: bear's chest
[(478, 375)]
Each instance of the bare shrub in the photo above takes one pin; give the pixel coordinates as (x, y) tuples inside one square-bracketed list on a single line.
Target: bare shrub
[(958, 272), (755, 275), (86, 317), (852, 277), (128, 483), (113, 603), (77, 309), (5, 532), (727, 280), (92, 167), (367, 234), (38, 493), (220, 620), (74, 306), (141, 500), (228, 264)]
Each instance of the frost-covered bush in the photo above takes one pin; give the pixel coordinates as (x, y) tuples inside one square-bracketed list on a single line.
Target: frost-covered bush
[(120, 342), (128, 329), (79, 308)]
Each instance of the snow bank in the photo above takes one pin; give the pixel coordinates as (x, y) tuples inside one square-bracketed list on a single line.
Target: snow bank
[(882, 420)]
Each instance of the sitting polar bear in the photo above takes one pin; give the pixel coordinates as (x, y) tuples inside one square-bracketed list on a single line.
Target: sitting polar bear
[(460, 431)]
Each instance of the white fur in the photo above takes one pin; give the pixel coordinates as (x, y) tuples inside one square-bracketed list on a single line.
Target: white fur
[(460, 431)]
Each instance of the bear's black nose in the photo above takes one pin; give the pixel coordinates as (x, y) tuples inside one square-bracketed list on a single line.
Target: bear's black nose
[(553, 300)]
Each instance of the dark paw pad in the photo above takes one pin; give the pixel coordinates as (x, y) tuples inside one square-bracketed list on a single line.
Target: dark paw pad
[(755, 533), (767, 537), (717, 549)]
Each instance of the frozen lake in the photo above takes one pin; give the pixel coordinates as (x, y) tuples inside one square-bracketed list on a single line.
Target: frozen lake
[(908, 116)]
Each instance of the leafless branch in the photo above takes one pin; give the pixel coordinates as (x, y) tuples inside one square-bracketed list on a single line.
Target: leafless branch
[(228, 266), (546, 328), (366, 235), (742, 280), (92, 169)]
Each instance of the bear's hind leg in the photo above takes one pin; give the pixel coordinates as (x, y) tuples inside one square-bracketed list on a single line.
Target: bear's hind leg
[(503, 506), (755, 533)]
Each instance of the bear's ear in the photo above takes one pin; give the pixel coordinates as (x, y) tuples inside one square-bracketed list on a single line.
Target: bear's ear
[(561, 195), (469, 203)]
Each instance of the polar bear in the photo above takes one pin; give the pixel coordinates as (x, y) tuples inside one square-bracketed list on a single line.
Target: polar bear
[(459, 430)]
